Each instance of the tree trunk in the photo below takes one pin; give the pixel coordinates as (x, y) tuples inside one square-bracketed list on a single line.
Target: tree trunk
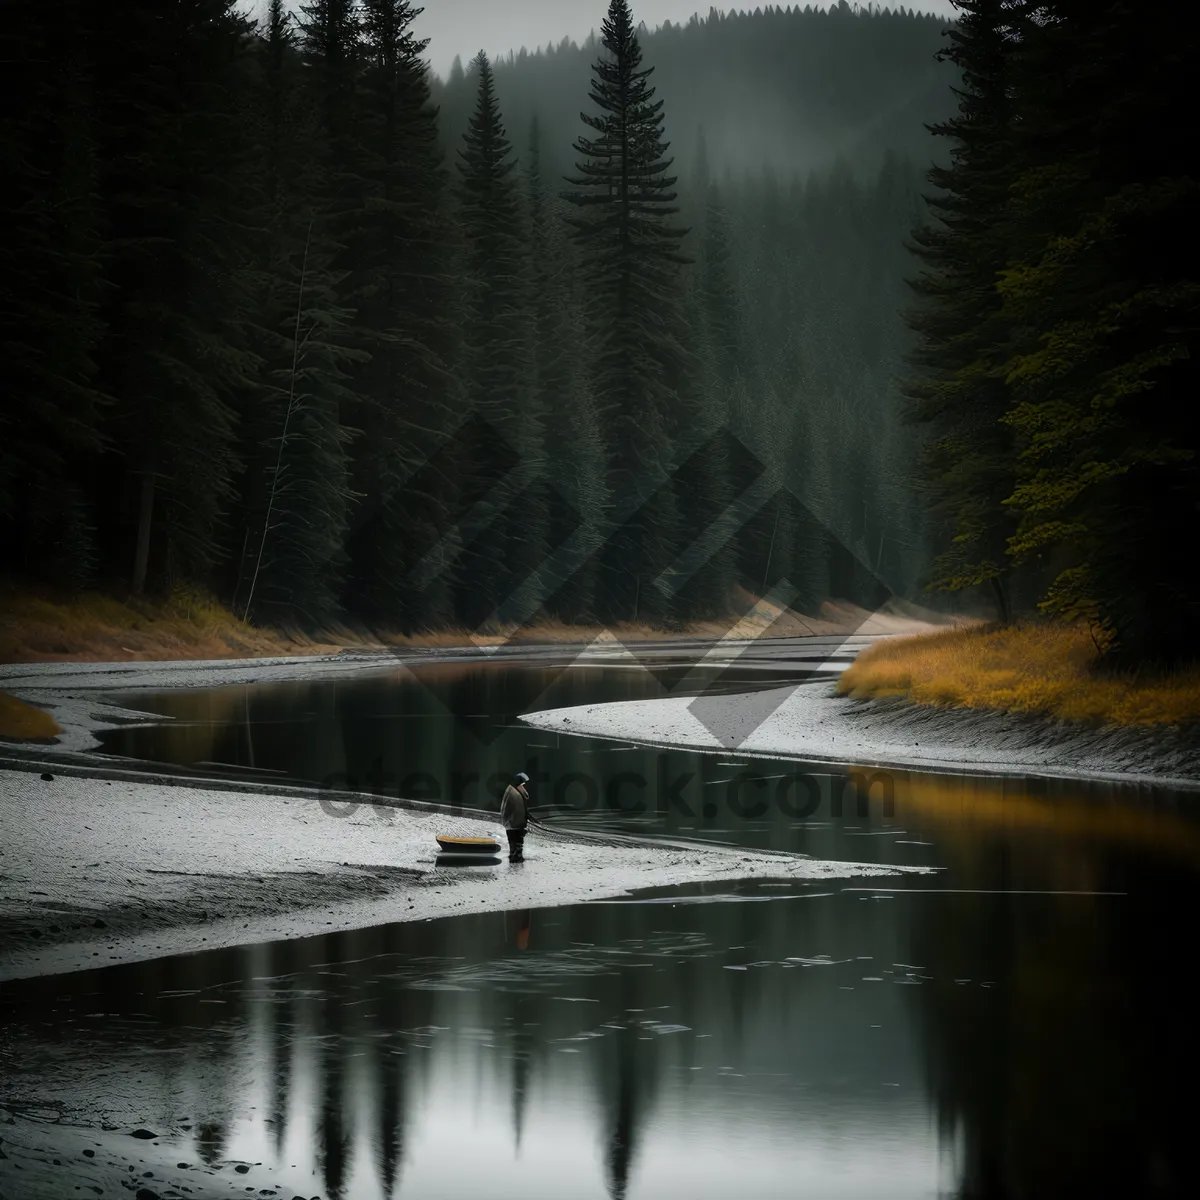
[(1000, 591), (141, 559)]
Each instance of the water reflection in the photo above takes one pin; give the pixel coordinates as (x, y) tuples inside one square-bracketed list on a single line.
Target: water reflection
[(509, 1052), (449, 733), (1019, 1029), (399, 723), (854, 1044)]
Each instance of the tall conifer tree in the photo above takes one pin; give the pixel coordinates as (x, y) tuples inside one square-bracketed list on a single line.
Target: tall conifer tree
[(397, 256), (295, 489), (573, 454), (957, 391), (705, 489), (503, 445), (175, 158), (1103, 295), (50, 315), (630, 258)]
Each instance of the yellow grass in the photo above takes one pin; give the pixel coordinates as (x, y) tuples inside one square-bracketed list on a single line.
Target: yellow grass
[(1034, 668), (954, 808), (95, 627), (21, 722), (191, 625), (98, 628)]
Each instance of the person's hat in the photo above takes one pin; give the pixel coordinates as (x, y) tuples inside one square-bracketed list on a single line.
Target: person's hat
[(522, 777)]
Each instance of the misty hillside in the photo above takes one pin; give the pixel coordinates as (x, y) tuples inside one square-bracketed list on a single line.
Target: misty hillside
[(800, 141), (790, 88)]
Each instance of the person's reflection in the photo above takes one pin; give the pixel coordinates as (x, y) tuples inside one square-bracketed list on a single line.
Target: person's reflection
[(523, 923)]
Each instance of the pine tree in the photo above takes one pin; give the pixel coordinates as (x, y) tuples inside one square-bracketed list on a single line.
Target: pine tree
[(573, 458), (332, 42), (294, 556), (397, 256), (958, 392), (503, 454), (703, 485), (551, 357), (295, 496), (50, 316), (1103, 294), (174, 357), (721, 303), (630, 258)]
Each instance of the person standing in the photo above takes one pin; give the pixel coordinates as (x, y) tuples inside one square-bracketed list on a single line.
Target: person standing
[(514, 812)]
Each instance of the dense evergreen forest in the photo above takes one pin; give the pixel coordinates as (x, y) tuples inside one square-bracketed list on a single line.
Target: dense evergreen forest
[(288, 317), (1057, 317), (291, 318)]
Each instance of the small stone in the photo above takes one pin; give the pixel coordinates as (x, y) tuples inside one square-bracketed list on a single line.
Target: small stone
[(99, 924), (146, 1194), (89, 1154), (144, 1134), (47, 777), (242, 1169)]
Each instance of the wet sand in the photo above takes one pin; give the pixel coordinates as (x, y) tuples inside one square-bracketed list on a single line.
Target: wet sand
[(96, 871)]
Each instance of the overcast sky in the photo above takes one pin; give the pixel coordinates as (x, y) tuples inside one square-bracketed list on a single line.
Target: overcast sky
[(464, 27)]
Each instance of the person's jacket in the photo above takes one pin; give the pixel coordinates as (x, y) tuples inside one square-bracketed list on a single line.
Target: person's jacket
[(512, 808)]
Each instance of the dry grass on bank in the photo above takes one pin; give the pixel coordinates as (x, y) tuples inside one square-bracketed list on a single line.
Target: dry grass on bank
[(99, 628), (190, 625), (1032, 668), (21, 722), (94, 627)]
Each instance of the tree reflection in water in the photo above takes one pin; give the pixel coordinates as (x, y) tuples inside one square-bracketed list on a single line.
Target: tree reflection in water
[(1024, 1035)]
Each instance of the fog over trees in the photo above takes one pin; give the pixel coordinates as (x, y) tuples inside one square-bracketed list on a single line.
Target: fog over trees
[(292, 318)]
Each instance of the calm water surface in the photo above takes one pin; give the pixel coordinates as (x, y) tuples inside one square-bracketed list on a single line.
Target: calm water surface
[(1019, 1024)]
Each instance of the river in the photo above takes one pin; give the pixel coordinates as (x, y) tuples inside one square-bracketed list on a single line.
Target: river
[(1017, 1024)]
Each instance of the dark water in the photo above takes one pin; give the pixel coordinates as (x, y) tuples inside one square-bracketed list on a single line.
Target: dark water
[(449, 733), (1021, 1024)]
